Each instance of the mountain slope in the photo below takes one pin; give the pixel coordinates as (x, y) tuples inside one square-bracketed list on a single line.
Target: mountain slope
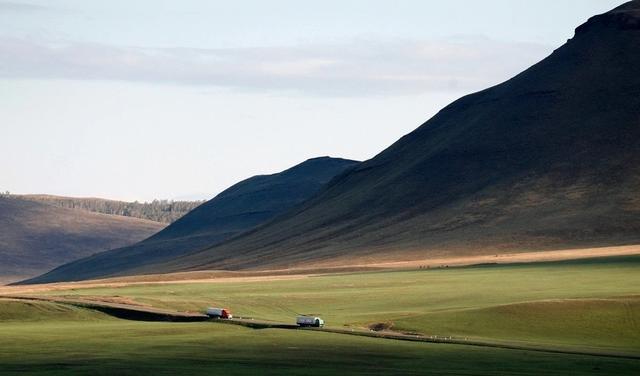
[(547, 159), (239, 208), (35, 237)]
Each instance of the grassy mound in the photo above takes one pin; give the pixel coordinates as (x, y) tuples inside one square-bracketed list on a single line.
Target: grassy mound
[(612, 323), (28, 311)]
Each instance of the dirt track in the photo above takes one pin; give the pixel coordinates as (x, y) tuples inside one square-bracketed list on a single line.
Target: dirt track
[(146, 313), (509, 258)]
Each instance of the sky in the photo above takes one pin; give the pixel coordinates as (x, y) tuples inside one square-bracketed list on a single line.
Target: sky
[(149, 99)]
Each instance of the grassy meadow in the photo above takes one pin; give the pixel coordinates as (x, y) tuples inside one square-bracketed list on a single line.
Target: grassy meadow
[(579, 305), (91, 343)]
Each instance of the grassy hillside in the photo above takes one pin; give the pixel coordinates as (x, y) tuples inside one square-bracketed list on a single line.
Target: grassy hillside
[(587, 305), (36, 237), (598, 322), (546, 160), (242, 207)]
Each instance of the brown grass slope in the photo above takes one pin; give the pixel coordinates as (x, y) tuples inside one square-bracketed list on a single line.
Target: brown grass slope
[(36, 237), (547, 159)]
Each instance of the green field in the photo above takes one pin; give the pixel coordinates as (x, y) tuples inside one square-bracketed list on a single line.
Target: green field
[(591, 305)]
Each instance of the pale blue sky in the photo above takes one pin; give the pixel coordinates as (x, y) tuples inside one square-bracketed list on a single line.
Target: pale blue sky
[(166, 99)]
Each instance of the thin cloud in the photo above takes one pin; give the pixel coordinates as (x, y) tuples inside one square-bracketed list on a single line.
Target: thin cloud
[(10, 6), (359, 67)]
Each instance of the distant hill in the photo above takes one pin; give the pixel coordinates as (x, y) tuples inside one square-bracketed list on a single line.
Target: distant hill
[(548, 159), (165, 211), (35, 237), (245, 205)]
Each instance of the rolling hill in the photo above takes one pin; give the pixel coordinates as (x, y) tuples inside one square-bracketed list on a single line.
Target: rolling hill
[(241, 207), (35, 237), (549, 159), (163, 211)]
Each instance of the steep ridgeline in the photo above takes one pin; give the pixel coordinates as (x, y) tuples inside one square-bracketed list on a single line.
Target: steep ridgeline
[(35, 237), (547, 159), (241, 207)]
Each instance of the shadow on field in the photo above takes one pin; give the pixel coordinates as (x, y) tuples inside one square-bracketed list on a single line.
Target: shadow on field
[(129, 314)]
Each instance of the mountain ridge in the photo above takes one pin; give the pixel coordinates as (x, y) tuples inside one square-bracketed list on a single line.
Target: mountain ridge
[(548, 159), (241, 207), (498, 146)]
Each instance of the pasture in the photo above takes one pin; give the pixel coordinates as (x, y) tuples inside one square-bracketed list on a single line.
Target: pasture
[(588, 305)]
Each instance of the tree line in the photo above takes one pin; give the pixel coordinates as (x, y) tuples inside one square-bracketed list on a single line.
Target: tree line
[(165, 211)]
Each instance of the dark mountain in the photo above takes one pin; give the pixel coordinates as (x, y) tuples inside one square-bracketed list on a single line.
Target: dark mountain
[(35, 237), (241, 207), (548, 159)]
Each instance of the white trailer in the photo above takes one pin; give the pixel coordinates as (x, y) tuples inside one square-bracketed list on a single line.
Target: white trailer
[(310, 321), (219, 313)]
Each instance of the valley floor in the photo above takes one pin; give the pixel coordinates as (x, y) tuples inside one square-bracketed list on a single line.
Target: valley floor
[(101, 346), (589, 305)]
